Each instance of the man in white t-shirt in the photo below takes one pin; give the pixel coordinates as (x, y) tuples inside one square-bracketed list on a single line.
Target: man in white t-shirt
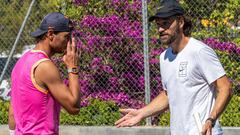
[(194, 81)]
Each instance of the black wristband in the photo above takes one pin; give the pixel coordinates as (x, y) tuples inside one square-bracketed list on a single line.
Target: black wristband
[(212, 121)]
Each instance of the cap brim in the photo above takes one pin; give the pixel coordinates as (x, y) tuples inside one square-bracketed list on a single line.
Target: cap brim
[(166, 15), (163, 15), (152, 18), (38, 32)]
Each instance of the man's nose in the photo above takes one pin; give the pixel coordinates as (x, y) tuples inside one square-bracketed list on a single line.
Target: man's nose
[(160, 29)]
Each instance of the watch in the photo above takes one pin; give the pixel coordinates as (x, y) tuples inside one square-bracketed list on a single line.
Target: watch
[(213, 121), (73, 70)]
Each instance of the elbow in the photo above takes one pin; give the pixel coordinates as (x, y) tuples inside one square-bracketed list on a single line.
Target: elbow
[(73, 107), (230, 90), (73, 111)]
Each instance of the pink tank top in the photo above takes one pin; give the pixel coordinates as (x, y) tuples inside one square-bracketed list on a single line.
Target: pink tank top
[(35, 110)]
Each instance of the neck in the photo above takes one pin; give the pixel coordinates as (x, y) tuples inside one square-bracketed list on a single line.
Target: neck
[(179, 43), (43, 46)]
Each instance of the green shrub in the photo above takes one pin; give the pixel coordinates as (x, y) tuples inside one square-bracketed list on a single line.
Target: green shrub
[(96, 113), (231, 116), (231, 65), (4, 112), (106, 113), (164, 119)]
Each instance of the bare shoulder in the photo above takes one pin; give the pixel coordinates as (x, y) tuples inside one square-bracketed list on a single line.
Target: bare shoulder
[(47, 71)]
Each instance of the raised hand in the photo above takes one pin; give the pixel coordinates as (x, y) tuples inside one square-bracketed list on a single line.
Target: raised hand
[(71, 58)]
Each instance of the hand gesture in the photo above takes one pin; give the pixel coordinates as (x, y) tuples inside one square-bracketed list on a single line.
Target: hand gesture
[(131, 118), (71, 58)]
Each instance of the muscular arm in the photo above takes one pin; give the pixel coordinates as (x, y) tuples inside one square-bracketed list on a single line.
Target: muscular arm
[(48, 74), (223, 86), (68, 97)]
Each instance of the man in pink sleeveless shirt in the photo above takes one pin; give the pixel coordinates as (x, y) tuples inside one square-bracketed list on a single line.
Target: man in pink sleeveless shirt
[(37, 89)]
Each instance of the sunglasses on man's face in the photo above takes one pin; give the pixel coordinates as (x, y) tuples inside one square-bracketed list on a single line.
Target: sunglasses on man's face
[(164, 23)]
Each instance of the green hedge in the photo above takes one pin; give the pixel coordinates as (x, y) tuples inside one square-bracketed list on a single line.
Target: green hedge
[(97, 113), (231, 116), (4, 112), (106, 113)]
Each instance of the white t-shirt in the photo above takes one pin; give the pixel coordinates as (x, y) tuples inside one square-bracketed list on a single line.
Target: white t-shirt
[(187, 78)]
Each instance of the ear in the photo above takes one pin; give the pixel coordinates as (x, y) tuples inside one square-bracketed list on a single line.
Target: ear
[(50, 34), (181, 22)]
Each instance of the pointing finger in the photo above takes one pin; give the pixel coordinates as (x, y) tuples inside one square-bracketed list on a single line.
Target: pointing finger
[(68, 47)]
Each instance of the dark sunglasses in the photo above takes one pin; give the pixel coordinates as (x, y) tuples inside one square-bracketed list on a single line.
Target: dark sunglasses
[(165, 23)]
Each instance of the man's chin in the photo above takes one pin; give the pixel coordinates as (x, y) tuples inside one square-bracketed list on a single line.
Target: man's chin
[(164, 41)]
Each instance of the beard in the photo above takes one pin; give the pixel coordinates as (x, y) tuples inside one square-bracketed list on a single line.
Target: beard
[(59, 50), (170, 38)]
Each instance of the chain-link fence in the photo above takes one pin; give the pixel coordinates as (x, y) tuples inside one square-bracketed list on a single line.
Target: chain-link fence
[(15, 25), (110, 35)]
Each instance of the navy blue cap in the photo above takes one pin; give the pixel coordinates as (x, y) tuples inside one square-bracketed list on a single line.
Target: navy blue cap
[(168, 8), (54, 20)]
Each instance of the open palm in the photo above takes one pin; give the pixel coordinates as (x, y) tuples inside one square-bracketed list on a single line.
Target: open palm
[(131, 118)]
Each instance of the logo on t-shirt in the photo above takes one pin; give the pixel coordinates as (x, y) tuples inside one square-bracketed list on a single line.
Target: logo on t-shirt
[(182, 72)]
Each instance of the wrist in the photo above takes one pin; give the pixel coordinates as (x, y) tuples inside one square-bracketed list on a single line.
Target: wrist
[(142, 114), (73, 70), (211, 120)]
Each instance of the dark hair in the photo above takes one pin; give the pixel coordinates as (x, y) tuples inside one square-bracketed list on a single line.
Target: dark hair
[(187, 27), (40, 38), (43, 36)]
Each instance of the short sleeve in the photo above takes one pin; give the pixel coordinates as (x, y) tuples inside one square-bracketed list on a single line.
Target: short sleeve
[(163, 82), (210, 66)]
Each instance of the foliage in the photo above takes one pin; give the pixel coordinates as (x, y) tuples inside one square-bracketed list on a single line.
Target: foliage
[(231, 116), (106, 113), (4, 112), (229, 55), (12, 16), (109, 34), (97, 113), (164, 119), (221, 22), (112, 58)]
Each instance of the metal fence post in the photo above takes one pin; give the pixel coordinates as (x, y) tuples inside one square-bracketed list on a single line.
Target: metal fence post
[(146, 57)]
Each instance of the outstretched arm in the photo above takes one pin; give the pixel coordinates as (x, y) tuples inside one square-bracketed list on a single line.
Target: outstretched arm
[(133, 116)]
